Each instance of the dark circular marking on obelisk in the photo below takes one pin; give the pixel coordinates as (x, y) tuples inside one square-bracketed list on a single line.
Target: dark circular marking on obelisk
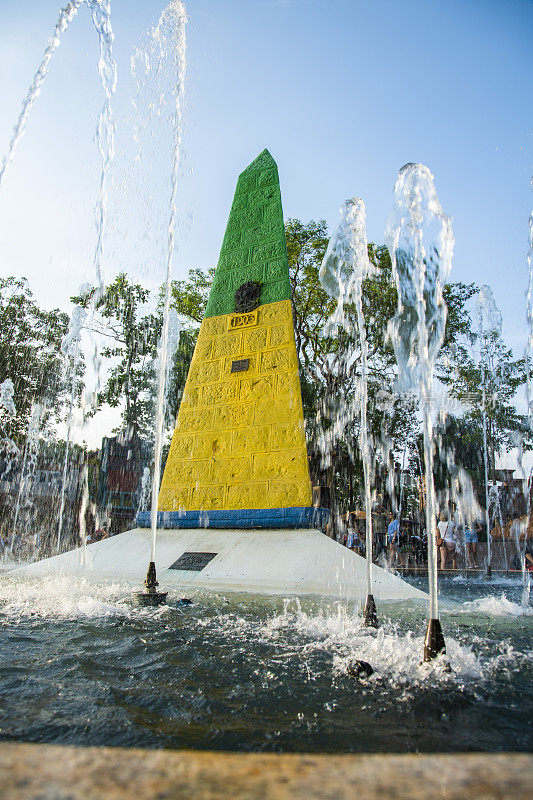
[(247, 296)]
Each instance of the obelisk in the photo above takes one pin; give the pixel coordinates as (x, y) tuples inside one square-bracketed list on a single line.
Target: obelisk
[(238, 456)]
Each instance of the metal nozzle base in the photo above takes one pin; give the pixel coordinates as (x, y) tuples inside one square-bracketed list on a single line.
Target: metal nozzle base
[(434, 643), (370, 614), (150, 596)]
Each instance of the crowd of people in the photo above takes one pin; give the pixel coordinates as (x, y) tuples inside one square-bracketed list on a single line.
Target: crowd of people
[(450, 538), (402, 543), (452, 541), (405, 543)]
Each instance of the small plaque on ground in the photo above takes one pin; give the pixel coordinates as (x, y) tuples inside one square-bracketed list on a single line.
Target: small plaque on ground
[(192, 561), (241, 365)]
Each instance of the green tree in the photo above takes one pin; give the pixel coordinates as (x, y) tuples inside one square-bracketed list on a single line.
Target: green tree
[(189, 298), (330, 365), (317, 352), (311, 306), (30, 354), (179, 371), (458, 445), (132, 342), (504, 376)]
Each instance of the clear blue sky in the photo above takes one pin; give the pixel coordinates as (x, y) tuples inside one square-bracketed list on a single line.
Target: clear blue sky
[(343, 93)]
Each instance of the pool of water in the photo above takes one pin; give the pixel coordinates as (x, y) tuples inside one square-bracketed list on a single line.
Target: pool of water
[(80, 664)]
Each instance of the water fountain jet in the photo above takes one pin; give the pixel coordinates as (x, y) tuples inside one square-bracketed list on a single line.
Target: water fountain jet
[(490, 325), (345, 266), (169, 34), (66, 16), (420, 240)]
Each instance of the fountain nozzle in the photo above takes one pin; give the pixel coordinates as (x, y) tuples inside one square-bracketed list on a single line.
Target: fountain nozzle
[(151, 578), (150, 596), (434, 643), (370, 614)]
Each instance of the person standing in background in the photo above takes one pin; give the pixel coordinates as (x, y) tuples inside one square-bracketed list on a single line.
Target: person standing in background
[(470, 544), (445, 534), (393, 541)]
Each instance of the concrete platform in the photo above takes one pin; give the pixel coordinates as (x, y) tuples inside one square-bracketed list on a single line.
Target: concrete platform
[(46, 772), (278, 562)]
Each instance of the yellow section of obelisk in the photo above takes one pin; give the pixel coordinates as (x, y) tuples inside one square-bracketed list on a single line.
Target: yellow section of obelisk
[(239, 440)]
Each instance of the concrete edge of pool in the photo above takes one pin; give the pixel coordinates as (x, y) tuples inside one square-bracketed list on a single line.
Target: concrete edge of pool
[(53, 772)]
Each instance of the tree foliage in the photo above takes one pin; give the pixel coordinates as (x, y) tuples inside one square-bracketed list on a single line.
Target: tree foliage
[(502, 375), (30, 354), (131, 338), (189, 298)]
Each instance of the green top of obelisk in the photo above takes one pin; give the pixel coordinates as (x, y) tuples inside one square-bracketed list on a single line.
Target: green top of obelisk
[(254, 247)]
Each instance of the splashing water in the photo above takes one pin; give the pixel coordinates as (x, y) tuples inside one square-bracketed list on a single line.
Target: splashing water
[(305, 632), (497, 518), (70, 343), (420, 241), (144, 498), (66, 16), (105, 137), (70, 348), (174, 332), (294, 631), (64, 481), (101, 16), (29, 465), (100, 11), (7, 392), (402, 480), (393, 651), (346, 259), (529, 392), (497, 607), (344, 268), (490, 324), (7, 445), (458, 492), (173, 340), (105, 131), (62, 596), (83, 508), (519, 528), (490, 316), (281, 667)]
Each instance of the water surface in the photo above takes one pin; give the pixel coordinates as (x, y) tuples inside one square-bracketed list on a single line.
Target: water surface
[(80, 664)]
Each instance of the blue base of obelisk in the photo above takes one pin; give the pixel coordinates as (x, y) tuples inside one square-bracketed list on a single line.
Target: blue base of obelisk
[(268, 518)]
